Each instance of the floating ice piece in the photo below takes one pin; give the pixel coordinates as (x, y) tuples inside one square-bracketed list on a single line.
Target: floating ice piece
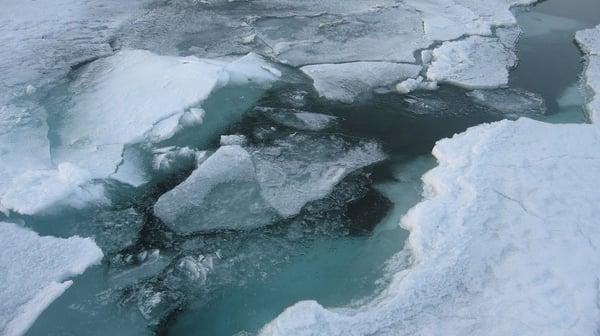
[(301, 168), (505, 242), (474, 62), (34, 271), (300, 120), (204, 201), (347, 81), (172, 158), (233, 139), (512, 103), (413, 84), (589, 42), (40, 191), (262, 183)]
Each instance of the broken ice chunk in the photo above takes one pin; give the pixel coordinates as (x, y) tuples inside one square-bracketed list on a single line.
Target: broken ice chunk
[(512, 103), (136, 96), (474, 62), (300, 120), (347, 81), (39, 191), (204, 201), (300, 168), (233, 139), (171, 159), (262, 183), (34, 271), (413, 84)]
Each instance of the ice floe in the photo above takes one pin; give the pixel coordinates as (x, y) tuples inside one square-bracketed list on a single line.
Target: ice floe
[(300, 120), (133, 97), (262, 183), (34, 271), (498, 246), (589, 41), (347, 81), (474, 62), (511, 103)]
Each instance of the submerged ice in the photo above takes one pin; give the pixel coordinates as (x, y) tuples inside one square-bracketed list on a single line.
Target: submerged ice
[(263, 183)]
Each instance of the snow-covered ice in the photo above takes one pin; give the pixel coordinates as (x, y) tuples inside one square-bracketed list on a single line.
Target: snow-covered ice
[(137, 96), (474, 62), (589, 42), (504, 242), (347, 81), (34, 271), (132, 97)]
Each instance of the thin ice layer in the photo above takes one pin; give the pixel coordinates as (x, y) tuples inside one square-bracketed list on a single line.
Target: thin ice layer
[(132, 97), (222, 193), (34, 272), (505, 242), (589, 42), (347, 81)]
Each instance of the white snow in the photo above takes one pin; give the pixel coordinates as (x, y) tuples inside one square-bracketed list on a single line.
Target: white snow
[(589, 42), (38, 191), (505, 242), (474, 62), (413, 84), (347, 81), (34, 271)]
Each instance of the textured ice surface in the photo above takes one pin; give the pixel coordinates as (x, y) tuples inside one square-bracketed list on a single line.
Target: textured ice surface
[(205, 200), (300, 120), (301, 168), (262, 183), (38, 191), (345, 82), (497, 244), (589, 42), (512, 103), (137, 96), (474, 62), (132, 97), (34, 271)]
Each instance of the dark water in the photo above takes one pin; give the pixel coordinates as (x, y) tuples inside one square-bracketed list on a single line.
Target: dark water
[(341, 267)]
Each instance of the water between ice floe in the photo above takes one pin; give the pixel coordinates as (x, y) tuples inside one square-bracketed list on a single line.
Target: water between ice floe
[(343, 266)]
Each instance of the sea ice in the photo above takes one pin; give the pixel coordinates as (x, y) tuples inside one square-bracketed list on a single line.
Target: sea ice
[(511, 103), (262, 183), (300, 120), (34, 271), (347, 81), (589, 42), (473, 62), (504, 243)]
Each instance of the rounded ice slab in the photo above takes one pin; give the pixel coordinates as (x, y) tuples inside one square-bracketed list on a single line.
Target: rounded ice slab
[(505, 242), (34, 272), (245, 188)]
